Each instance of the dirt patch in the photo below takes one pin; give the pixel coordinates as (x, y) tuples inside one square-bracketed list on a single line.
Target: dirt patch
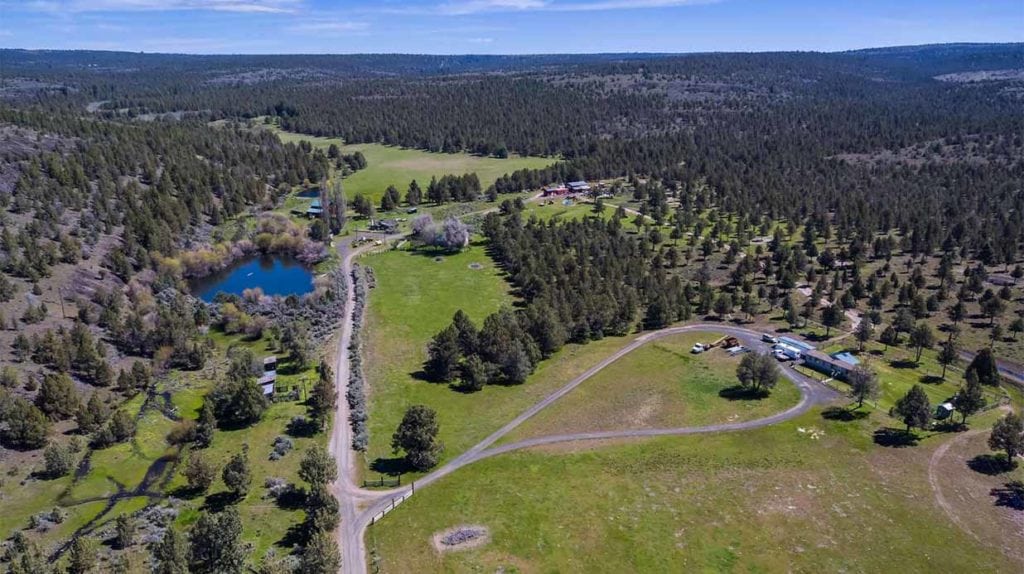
[(462, 537), (476, 266), (966, 496)]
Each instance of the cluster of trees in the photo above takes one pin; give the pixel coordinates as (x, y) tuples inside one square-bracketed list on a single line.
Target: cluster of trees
[(75, 351), (451, 234), (356, 393), (502, 351), (238, 400), (157, 180)]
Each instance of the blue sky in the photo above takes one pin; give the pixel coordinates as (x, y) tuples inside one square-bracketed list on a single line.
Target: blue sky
[(501, 26)]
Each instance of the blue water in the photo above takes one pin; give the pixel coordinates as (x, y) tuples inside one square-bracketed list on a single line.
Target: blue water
[(276, 275)]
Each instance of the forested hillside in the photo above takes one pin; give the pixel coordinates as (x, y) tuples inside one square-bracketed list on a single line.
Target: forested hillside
[(877, 187)]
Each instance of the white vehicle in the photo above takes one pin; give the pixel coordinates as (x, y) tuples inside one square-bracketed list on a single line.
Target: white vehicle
[(698, 348), (737, 350), (768, 338), (780, 355)]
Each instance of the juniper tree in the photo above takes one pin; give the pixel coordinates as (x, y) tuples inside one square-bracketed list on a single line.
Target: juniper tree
[(914, 409), (1008, 435), (417, 436), (970, 398)]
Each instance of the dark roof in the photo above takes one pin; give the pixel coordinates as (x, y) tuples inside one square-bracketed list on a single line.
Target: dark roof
[(826, 359)]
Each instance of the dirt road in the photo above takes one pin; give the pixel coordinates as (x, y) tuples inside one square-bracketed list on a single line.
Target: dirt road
[(380, 501)]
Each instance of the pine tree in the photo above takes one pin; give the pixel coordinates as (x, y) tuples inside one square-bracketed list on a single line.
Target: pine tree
[(865, 331), (321, 555), (417, 436), (970, 398), (863, 385), (170, 553), (205, 426), (237, 475), (216, 544), (914, 409)]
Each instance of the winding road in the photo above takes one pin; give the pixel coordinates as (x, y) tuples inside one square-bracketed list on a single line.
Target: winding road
[(360, 507)]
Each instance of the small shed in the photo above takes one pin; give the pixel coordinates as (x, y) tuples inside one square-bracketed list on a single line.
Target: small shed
[(944, 411), (267, 383), (269, 364), (315, 209)]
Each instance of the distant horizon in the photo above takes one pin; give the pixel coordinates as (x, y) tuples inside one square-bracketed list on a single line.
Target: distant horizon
[(501, 27), (524, 54)]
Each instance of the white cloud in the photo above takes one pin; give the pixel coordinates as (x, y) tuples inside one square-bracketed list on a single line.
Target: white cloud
[(477, 6), (462, 7), (80, 6), (328, 26), (480, 40)]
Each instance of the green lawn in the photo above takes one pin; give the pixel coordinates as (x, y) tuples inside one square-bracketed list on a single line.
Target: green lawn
[(554, 209), (898, 372), (388, 165), (809, 495), (659, 385), (415, 297)]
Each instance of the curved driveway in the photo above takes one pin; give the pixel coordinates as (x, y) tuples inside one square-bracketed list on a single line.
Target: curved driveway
[(811, 393)]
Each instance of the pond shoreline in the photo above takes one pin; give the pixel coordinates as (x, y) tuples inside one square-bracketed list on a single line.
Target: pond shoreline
[(275, 274)]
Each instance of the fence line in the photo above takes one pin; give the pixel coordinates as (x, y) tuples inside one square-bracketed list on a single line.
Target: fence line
[(381, 482), (395, 501)]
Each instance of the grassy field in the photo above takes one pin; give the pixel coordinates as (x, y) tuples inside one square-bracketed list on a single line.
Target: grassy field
[(659, 385), (388, 165), (415, 297), (555, 210), (809, 495)]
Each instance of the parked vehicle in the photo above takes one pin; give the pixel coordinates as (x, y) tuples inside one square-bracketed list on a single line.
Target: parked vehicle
[(781, 356), (769, 338), (698, 348)]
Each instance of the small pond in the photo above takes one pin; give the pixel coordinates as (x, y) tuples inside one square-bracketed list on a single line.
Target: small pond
[(276, 275)]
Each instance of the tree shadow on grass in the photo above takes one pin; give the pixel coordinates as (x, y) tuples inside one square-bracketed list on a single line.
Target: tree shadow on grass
[(218, 501), (1011, 495), (185, 493), (296, 535), (741, 393), (903, 364), (301, 427), (949, 426), (816, 337), (895, 438), (991, 464), (292, 498), (394, 466), (931, 379), (421, 375), (843, 414)]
